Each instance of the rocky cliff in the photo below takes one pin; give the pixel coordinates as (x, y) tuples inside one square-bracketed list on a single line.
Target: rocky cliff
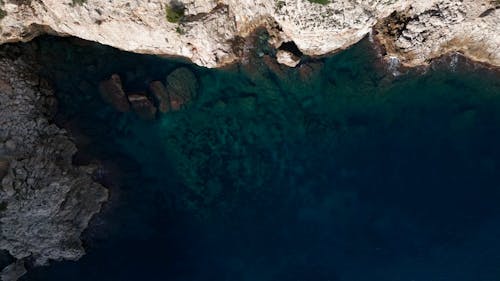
[(45, 201), (207, 32)]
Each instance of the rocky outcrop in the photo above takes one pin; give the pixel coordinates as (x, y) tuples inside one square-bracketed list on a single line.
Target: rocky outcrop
[(181, 87), (287, 58), (46, 202), (420, 33), (206, 31)]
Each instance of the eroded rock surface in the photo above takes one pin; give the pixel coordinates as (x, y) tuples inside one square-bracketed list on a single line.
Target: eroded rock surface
[(421, 32), (46, 202), (206, 31), (287, 58)]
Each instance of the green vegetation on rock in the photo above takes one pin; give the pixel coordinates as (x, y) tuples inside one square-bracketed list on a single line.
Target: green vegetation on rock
[(322, 2), (180, 30), (78, 2), (174, 12), (2, 12)]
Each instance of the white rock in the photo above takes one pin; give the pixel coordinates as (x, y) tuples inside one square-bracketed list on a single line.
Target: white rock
[(287, 58), (209, 27)]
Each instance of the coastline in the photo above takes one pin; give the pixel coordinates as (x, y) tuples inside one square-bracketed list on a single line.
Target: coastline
[(377, 45), (343, 67), (41, 190), (207, 32)]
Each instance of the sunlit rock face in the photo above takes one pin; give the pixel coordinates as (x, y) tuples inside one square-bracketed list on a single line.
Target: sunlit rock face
[(206, 31)]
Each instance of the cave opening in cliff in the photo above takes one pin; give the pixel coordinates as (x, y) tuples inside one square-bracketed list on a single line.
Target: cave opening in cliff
[(291, 47)]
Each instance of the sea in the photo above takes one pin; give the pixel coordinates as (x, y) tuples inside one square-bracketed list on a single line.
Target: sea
[(342, 169)]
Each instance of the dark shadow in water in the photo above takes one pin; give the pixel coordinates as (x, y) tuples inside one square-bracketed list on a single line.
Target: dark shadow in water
[(347, 176)]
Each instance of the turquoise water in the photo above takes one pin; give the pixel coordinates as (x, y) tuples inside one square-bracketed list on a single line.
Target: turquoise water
[(346, 174)]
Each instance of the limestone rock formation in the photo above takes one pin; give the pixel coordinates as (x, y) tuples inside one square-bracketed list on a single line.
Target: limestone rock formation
[(287, 58), (206, 31), (421, 33), (46, 202)]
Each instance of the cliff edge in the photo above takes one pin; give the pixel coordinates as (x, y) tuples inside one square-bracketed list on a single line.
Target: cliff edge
[(207, 31)]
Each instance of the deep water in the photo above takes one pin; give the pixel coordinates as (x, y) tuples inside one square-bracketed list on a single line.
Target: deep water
[(349, 174)]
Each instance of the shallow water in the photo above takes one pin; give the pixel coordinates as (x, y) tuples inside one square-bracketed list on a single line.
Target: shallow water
[(348, 175)]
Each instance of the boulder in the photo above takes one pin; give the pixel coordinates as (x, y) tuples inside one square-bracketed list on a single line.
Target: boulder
[(160, 94), (142, 106), (112, 92), (182, 87), (287, 58)]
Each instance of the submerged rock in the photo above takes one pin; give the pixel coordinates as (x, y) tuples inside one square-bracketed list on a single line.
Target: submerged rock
[(308, 70), (274, 66), (160, 93), (112, 92), (142, 106), (182, 87)]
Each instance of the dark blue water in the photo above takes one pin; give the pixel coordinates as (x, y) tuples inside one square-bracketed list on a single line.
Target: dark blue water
[(348, 174)]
